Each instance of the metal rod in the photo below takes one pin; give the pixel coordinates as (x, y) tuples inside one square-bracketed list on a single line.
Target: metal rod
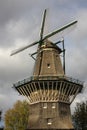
[(33, 54), (63, 55)]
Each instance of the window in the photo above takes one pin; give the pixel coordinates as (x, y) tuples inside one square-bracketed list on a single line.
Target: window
[(53, 105), (45, 105), (49, 121), (48, 65)]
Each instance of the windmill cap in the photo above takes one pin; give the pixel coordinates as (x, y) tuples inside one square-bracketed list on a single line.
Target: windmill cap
[(49, 44)]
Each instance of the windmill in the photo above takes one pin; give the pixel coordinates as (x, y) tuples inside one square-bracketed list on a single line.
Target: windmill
[(49, 91)]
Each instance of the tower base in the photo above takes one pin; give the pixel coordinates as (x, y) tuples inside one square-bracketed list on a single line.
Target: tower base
[(50, 115)]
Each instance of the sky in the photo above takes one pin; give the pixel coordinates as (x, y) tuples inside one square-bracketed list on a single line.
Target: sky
[(20, 23)]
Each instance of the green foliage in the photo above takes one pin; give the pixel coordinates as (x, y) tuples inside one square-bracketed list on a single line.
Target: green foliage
[(80, 116), (17, 117)]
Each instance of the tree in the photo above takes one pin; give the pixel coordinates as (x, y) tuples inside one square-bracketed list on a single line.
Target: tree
[(80, 116), (17, 117)]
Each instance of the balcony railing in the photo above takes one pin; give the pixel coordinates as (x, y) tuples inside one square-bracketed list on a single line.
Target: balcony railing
[(33, 78)]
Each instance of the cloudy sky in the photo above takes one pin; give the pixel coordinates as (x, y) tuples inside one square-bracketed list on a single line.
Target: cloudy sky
[(20, 22)]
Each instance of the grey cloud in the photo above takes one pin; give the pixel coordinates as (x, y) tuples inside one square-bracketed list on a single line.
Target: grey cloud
[(25, 15)]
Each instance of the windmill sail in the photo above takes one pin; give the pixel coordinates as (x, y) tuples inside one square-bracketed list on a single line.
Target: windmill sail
[(46, 37), (60, 30), (23, 48), (43, 23)]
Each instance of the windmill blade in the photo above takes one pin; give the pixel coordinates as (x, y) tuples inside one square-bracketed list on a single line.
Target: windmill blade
[(43, 23), (60, 30), (23, 48)]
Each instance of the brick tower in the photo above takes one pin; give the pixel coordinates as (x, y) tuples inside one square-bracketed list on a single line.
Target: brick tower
[(49, 91)]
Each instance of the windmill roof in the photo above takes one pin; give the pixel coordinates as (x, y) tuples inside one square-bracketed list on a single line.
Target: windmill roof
[(50, 44)]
